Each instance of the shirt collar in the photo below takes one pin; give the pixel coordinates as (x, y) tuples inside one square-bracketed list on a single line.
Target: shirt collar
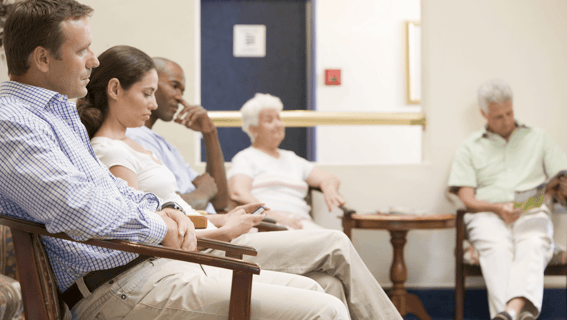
[(32, 95), (484, 133)]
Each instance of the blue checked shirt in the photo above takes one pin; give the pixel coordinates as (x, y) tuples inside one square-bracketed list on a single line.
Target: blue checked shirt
[(50, 174)]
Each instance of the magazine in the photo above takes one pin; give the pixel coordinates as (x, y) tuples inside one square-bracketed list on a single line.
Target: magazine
[(534, 198)]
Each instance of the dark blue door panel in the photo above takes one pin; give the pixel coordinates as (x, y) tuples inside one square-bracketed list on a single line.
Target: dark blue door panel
[(228, 82)]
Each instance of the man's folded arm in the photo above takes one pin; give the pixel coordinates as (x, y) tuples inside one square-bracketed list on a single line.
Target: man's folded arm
[(45, 186)]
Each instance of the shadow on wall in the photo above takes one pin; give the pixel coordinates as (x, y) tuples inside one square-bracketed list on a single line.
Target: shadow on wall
[(474, 119)]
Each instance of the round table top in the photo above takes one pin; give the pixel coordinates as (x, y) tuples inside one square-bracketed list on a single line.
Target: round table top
[(403, 221)]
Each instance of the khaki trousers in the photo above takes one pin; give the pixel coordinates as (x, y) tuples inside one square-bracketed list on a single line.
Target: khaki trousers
[(328, 257), (512, 256), (168, 289)]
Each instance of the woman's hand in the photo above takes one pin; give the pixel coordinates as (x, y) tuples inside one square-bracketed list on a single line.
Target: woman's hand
[(239, 220), (333, 198)]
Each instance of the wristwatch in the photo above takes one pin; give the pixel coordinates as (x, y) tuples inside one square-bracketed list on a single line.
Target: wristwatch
[(172, 205)]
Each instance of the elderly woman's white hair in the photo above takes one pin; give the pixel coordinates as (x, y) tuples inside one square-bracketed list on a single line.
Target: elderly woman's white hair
[(250, 111), (493, 91)]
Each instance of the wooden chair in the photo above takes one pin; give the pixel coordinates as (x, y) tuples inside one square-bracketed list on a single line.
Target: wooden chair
[(40, 292), (556, 267)]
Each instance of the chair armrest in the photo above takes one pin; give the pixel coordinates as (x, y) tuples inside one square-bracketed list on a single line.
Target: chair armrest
[(270, 226), (346, 210), (140, 248), (460, 225), (200, 222), (226, 246)]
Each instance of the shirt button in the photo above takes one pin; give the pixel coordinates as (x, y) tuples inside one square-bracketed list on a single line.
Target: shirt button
[(123, 296), (61, 99), (111, 281)]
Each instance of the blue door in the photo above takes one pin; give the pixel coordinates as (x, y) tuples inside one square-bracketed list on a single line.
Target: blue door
[(228, 82)]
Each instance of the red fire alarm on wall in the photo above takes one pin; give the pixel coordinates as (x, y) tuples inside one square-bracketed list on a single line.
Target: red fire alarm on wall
[(333, 77)]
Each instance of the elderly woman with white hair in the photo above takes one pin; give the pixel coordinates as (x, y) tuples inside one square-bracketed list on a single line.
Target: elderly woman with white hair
[(279, 178)]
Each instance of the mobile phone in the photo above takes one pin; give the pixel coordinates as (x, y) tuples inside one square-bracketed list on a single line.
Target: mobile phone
[(260, 210)]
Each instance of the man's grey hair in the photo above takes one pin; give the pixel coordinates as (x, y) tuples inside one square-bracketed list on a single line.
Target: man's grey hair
[(250, 111), (493, 91)]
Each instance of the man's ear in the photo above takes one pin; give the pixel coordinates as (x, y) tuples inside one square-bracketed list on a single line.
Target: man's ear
[(483, 114), (113, 89), (40, 58)]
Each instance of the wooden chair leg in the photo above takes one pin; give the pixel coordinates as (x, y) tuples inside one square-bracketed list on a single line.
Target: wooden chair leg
[(459, 268), (240, 295), (459, 294), (347, 225), (30, 282)]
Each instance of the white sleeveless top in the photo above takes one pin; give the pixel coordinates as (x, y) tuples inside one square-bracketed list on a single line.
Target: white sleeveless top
[(152, 177)]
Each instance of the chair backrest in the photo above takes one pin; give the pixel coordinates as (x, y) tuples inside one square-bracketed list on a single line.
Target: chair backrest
[(39, 288)]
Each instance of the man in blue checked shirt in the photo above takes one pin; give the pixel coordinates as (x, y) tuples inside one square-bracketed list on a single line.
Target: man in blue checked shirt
[(49, 174)]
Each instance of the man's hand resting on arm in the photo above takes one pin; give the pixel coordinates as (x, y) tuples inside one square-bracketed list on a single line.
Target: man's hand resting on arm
[(505, 210), (205, 191), (180, 230)]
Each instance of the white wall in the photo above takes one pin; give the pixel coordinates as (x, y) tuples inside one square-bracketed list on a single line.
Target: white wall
[(366, 40), (168, 29)]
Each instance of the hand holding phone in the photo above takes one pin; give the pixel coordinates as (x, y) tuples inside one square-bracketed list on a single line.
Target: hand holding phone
[(260, 210)]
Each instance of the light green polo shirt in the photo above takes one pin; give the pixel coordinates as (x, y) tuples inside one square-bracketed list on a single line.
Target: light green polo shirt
[(496, 168)]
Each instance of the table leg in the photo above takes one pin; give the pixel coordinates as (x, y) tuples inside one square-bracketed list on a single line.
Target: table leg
[(404, 302)]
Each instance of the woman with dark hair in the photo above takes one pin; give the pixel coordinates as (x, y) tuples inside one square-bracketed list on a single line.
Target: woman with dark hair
[(123, 67), (121, 95)]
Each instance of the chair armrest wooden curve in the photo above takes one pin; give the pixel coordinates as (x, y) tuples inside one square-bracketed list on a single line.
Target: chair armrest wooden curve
[(346, 210), (139, 248), (226, 246), (269, 226)]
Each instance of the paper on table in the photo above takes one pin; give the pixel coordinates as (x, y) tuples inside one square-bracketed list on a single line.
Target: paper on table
[(408, 211)]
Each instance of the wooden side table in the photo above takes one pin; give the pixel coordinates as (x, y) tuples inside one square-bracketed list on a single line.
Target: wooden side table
[(398, 226)]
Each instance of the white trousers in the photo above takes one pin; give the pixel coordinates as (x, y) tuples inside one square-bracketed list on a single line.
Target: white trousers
[(168, 289), (328, 257), (512, 256)]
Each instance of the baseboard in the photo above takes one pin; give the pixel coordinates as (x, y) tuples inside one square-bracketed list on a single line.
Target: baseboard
[(440, 304)]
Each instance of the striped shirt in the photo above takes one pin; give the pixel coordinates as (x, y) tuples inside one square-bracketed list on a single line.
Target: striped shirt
[(50, 174)]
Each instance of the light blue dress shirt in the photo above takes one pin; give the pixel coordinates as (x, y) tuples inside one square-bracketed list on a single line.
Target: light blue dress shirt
[(50, 174)]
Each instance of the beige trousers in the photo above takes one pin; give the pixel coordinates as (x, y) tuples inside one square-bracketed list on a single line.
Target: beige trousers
[(328, 257), (512, 256), (168, 289)]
